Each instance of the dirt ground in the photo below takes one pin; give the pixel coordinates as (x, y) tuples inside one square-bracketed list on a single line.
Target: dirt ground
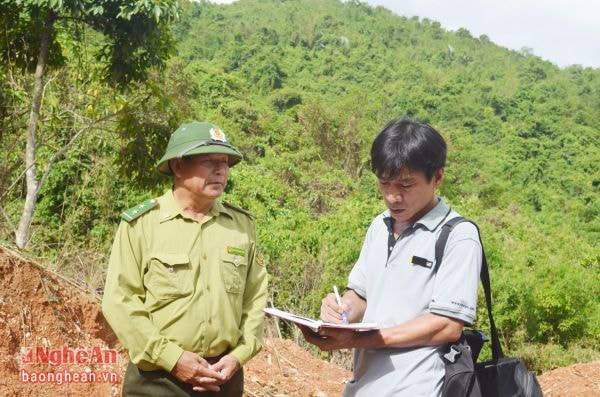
[(578, 380), (50, 331)]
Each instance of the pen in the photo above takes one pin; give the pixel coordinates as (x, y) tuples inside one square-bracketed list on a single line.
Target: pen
[(339, 302)]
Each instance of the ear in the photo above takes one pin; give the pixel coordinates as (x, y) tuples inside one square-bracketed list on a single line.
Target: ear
[(438, 177), (176, 166)]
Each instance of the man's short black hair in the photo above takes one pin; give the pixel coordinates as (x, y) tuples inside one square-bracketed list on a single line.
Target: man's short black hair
[(404, 142)]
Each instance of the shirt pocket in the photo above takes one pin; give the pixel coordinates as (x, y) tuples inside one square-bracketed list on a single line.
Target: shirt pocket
[(233, 271), (169, 275)]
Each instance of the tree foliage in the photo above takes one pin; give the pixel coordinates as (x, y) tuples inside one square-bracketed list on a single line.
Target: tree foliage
[(132, 41)]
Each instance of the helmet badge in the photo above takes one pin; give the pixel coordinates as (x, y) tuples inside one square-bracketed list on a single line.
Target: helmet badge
[(217, 135)]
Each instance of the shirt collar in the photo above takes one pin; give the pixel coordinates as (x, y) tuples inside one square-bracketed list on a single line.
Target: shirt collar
[(430, 220), (170, 208), (219, 208), (436, 216)]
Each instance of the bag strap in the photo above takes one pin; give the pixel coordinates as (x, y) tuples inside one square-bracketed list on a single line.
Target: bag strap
[(440, 246)]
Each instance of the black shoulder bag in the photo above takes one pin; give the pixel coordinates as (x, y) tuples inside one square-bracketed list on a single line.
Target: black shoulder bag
[(500, 377)]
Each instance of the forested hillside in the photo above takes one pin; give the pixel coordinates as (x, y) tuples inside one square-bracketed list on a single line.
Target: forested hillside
[(302, 88)]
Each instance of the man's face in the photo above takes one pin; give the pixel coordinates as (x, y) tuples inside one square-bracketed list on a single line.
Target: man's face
[(409, 195), (204, 176)]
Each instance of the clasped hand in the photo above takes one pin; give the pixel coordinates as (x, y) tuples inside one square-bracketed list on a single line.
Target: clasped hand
[(193, 369)]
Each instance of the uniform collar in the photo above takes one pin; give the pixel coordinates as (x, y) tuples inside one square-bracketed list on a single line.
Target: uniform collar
[(430, 220), (170, 208), (219, 208)]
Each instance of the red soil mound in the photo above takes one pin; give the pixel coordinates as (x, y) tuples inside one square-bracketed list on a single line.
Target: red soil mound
[(51, 333)]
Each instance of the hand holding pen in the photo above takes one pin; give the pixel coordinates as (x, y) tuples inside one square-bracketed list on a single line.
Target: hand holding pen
[(339, 302)]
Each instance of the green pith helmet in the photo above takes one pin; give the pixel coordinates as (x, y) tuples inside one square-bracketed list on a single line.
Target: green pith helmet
[(197, 138)]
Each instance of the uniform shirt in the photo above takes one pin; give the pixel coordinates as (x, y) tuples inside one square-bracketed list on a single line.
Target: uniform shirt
[(175, 284), (397, 290)]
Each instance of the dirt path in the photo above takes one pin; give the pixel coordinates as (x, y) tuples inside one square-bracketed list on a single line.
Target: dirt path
[(51, 330)]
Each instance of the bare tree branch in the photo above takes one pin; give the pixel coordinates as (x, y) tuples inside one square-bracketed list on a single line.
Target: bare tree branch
[(64, 149), (14, 183), (46, 86)]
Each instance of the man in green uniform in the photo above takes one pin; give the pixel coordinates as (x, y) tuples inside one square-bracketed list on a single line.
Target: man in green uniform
[(185, 286)]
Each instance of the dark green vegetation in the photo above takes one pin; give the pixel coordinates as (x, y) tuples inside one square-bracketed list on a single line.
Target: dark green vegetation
[(302, 87), (131, 37)]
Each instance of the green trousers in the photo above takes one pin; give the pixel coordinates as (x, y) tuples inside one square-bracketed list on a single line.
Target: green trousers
[(140, 383)]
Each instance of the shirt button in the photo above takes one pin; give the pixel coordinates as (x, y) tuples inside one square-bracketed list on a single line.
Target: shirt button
[(208, 287), (171, 270)]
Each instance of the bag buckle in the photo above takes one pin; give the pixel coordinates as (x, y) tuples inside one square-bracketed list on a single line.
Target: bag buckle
[(453, 354)]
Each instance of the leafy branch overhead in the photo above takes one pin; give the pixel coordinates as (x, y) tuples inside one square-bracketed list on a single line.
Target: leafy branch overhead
[(135, 38), (136, 33)]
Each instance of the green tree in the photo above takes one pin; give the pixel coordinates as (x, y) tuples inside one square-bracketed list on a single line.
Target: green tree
[(136, 38)]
